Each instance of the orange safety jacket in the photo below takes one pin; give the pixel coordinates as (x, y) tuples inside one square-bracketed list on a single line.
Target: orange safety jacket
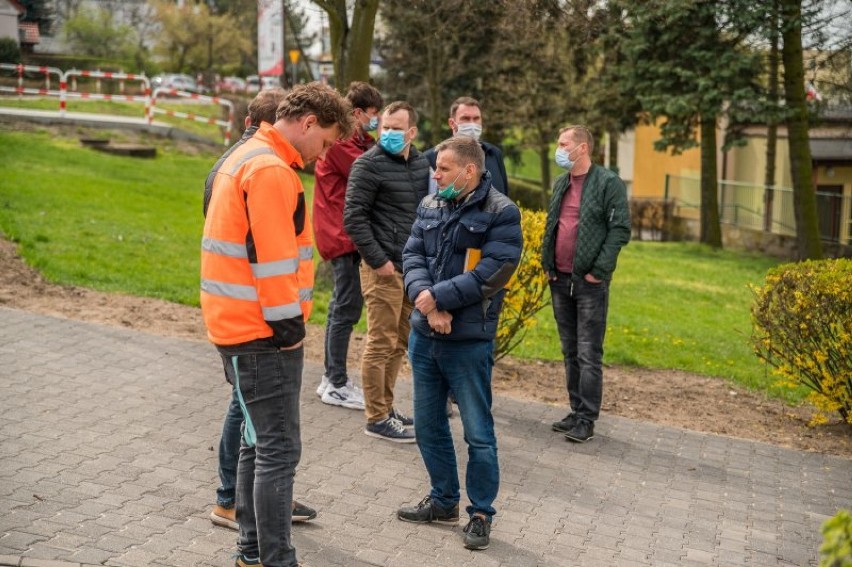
[(257, 272)]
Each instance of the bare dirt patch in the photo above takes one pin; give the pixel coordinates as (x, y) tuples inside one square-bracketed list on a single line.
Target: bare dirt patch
[(673, 398)]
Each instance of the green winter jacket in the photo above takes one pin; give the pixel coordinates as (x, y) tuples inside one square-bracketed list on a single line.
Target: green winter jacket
[(604, 224)]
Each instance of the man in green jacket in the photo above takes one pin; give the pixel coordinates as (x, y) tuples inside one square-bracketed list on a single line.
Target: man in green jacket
[(588, 222)]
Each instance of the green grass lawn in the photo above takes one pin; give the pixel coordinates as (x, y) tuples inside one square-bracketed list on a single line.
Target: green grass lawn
[(530, 166), (134, 226), (677, 305)]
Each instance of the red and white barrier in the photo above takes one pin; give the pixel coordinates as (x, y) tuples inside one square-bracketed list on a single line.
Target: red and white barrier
[(21, 69), (148, 98), (108, 75), (226, 125)]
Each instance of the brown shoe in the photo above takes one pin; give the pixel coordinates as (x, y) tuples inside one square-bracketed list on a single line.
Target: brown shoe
[(241, 561), (225, 517)]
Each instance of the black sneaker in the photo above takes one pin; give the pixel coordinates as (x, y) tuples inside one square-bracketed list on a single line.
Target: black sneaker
[(390, 429), (566, 424), (582, 431), (427, 512), (477, 533), (302, 513), (401, 417)]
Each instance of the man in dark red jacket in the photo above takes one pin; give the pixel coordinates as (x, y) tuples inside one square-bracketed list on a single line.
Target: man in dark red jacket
[(334, 245)]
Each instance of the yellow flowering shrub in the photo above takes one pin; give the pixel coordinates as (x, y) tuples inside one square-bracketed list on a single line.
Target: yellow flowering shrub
[(836, 548), (802, 326), (526, 295)]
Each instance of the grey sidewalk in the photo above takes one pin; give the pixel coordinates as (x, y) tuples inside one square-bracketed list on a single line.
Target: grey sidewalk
[(107, 457), (91, 120)]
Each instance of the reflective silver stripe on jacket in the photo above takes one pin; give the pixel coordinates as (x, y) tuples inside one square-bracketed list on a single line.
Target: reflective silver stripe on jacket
[(306, 252), (250, 155), (277, 268), (249, 293), (306, 294), (281, 312), (234, 291), (224, 248)]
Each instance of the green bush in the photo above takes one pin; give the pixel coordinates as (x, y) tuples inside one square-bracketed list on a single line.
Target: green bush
[(802, 326), (836, 548), (9, 50), (526, 295), (526, 194)]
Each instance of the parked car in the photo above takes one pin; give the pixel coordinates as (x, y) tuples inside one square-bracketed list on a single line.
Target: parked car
[(232, 85), (270, 82), (176, 81), (252, 84), (255, 83)]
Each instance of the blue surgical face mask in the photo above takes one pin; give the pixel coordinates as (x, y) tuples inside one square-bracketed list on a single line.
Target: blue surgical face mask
[(392, 141), (450, 192), (563, 159), (372, 124)]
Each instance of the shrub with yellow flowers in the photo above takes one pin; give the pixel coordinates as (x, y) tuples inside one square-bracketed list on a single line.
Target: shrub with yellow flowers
[(526, 289), (802, 326), (836, 548)]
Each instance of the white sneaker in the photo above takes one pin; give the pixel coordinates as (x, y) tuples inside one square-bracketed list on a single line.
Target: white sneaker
[(343, 396), (323, 385), (356, 390)]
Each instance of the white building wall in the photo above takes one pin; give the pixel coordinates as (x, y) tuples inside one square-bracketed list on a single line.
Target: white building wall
[(9, 21), (626, 152)]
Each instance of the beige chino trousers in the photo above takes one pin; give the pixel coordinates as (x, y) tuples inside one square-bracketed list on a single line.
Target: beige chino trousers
[(388, 310)]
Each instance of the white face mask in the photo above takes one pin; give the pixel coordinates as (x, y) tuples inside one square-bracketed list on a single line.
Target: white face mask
[(470, 129)]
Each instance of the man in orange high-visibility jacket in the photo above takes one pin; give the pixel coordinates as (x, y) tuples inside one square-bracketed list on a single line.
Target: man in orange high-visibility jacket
[(256, 288)]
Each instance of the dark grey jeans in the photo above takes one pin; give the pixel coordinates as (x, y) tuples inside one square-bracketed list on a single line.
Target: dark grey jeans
[(268, 381), (344, 311), (580, 309)]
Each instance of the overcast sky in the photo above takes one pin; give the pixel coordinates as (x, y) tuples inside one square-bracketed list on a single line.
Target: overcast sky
[(315, 15)]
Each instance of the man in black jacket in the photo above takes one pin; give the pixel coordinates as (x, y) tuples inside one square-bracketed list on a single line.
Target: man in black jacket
[(385, 186), (466, 120)]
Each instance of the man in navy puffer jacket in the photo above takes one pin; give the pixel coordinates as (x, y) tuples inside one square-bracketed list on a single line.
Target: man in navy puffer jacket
[(464, 247)]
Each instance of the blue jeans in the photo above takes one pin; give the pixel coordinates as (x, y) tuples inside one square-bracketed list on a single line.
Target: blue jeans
[(229, 453), (269, 381), (465, 367), (344, 311), (580, 309)]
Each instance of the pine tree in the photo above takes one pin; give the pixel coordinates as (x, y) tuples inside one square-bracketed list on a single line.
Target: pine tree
[(687, 65)]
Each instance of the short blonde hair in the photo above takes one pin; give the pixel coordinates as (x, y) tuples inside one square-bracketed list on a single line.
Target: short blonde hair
[(466, 149), (581, 135)]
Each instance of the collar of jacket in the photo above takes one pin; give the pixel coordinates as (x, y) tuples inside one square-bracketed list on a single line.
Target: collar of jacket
[(488, 148), (280, 145), (562, 182), (412, 153), (363, 139), (479, 193)]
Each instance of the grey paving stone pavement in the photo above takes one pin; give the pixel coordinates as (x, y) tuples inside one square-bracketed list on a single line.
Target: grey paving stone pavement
[(108, 442)]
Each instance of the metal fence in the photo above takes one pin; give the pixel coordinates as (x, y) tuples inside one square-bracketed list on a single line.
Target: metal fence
[(764, 209)]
